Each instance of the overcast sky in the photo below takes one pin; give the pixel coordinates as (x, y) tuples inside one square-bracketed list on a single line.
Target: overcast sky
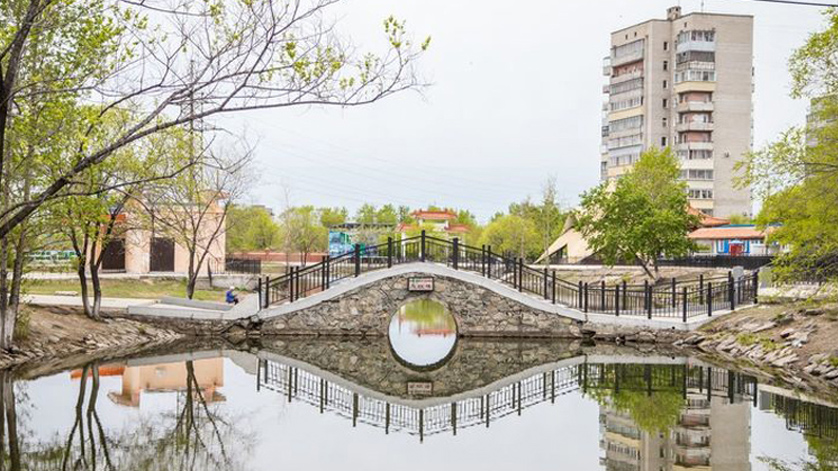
[(516, 98)]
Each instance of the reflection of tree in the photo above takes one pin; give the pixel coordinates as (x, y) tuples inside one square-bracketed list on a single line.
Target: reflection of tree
[(192, 437), (637, 390), (8, 424), (428, 314), (85, 455)]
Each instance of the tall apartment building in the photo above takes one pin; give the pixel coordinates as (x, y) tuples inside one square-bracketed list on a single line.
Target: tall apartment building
[(685, 82)]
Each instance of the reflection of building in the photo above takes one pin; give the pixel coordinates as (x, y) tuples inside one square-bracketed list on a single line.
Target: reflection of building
[(165, 377), (712, 433)]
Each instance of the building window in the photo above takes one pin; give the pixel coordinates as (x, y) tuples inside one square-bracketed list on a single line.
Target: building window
[(665, 65), (664, 122), (665, 101), (697, 174), (664, 84), (666, 45), (663, 141), (700, 194)]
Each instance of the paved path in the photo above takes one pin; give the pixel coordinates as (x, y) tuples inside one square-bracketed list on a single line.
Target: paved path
[(110, 303)]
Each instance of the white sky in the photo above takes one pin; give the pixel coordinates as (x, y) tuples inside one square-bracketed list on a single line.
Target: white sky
[(516, 98)]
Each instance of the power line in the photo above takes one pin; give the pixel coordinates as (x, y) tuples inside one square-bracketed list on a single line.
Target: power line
[(799, 3)]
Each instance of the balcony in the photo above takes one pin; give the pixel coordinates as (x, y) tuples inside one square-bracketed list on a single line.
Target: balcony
[(627, 59), (695, 106), (693, 126), (707, 46), (606, 66), (695, 146), (627, 76)]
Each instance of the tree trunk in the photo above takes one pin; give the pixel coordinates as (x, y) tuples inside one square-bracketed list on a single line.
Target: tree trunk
[(191, 275), (82, 274), (94, 264)]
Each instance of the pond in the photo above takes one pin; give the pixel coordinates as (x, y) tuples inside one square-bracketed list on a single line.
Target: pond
[(349, 404), (422, 333)]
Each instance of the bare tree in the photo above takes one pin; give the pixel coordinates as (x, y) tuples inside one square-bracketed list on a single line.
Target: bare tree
[(192, 207), (171, 63)]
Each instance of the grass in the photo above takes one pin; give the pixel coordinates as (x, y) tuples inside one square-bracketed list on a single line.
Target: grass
[(144, 288), (748, 339)]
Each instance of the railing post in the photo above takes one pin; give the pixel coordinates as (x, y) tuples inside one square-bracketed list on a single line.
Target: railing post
[(554, 287), (358, 258), (546, 278), (520, 274), (674, 303), (328, 268), (648, 300), (684, 301), (455, 257), (389, 252), (602, 297), (756, 286), (259, 290), (586, 297), (489, 260), (731, 290), (625, 297), (701, 287), (422, 247), (291, 290), (617, 300), (483, 260), (710, 299), (267, 300), (579, 296)]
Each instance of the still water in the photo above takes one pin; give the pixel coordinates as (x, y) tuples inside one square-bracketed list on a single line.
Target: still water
[(351, 404)]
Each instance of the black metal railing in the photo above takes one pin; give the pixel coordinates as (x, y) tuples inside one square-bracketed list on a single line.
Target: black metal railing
[(683, 300), (243, 266)]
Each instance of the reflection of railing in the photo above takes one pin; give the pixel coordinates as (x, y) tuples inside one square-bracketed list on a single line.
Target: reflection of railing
[(811, 419), (298, 384), (678, 300)]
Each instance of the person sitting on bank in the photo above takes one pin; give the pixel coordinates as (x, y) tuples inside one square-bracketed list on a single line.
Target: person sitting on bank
[(231, 296)]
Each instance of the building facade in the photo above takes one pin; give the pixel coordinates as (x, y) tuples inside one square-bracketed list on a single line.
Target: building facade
[(686, 83)]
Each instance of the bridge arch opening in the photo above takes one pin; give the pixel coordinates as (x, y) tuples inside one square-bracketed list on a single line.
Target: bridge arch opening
[(423, 334)]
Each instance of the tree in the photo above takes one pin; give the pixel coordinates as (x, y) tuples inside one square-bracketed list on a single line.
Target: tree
[(643, 218), (797, 176), (251, 228), (191, 208), (302, 231), (547, 216), (387, 215), (513, 235), (188, 61), (366, 214), (332, 216)]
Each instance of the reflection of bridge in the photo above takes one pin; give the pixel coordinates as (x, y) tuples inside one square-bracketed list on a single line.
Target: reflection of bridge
[(680, 302), (442, 415)]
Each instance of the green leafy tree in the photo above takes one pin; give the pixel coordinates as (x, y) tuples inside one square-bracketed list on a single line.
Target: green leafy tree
[(644, 217), (513, 235), (366, 214), (333, 216), (797, 175), (302, 231), (405, 215), (387, 215), (251, 228)]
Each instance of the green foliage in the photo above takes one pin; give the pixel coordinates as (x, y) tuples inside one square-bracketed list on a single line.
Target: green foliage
[(546, 216), (333, 216), (302, 231), (513, 235), (643, 217), (251, 228), (797, 175)]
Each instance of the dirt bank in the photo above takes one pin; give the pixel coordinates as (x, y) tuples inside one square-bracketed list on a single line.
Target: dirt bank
[(61, 333), (795, 342)]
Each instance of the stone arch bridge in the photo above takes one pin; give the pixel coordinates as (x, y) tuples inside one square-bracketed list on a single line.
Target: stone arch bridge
[(489, 295)]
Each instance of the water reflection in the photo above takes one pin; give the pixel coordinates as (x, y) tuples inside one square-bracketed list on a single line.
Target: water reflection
[(233, 410), (423, 333)]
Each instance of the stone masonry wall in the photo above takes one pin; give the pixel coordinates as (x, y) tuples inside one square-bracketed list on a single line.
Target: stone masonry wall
[(367, 311)]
